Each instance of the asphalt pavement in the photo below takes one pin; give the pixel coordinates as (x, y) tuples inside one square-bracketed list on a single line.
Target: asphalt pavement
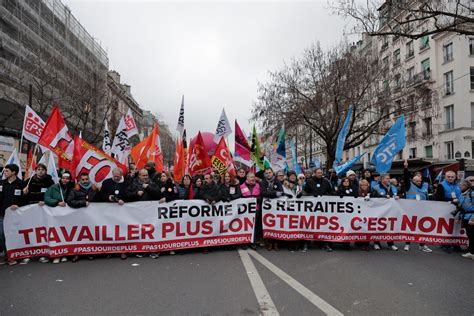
[(232, 282)]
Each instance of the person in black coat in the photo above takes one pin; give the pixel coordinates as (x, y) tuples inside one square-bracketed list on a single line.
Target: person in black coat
[(113, 189), (270, 186), (317, 185), (168, 190), (241, 176), (185, 188), (152, 173), (142, 189), (11, 195), (230, 187), (347, 189), (211, 191), (198, 182), (37, 185), (84, 193)]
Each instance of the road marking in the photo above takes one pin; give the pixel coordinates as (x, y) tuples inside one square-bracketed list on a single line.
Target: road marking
[(267, 306), (297, 286)]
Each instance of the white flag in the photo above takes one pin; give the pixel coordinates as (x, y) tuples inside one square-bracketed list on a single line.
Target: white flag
[(14, 160), (33, 125), (106, 143), (121, 145), (132, 128), (223, 127), (52, 170), (180, 127)]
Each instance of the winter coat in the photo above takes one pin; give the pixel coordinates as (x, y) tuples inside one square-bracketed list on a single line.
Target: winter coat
[(212, 192), (37, 188), (318, 186), (11, 194), (56, 193), (231, 192), (78, 196), (110, 187), (151, 192), (271, 188), (168, 191)]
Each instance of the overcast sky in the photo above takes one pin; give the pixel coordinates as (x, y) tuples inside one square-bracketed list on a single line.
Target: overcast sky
[(212, 52)]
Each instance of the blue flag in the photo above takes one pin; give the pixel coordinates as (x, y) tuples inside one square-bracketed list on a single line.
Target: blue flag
[(341, 138), (389, 146), (294, 158), (278, 158), (342, 169)]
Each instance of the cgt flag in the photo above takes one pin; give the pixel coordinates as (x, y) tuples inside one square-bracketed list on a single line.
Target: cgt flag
[(389, 146), (199, 162), (97, 164), (57, 138), (222, 160)]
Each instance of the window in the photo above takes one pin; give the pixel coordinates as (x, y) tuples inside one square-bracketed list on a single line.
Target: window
[(411, 102), (398, 81), (396, 29), (472, 115), (411, 74), (385, 62), (429, 151), (396, 57), (471, 46), (412, 130), (448, 52), (425, 67), (472, 78), (449, 150), (398, 107), (448, 83), (413, 152), (384, 42), (449, 112), (410, 49), (427, 127), (424, 42)]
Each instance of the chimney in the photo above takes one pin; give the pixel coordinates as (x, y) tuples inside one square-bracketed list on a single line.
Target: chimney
[(127, 89), (115, 76)]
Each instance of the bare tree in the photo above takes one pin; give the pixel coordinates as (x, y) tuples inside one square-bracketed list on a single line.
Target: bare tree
[(316, 90), (402, 17)]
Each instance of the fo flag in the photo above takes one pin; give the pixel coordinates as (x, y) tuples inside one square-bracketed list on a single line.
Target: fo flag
[(107, 142), (33, 125), (242, 150), (389, 146), (223, 127), (121, 145), (97, 164), (14, 160), (221, 160), (199, 162), (130, 124), (57, 138), (180, 126)]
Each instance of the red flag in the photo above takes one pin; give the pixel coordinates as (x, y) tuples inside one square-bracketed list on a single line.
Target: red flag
[(179, 163), (199, 161), (30, 164), (137, 152), (153, 152), (57, 138), (93, 161), (221, 160)]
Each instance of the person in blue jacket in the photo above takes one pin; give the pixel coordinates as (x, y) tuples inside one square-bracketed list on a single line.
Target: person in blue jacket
[(448, 190), (466, 207)]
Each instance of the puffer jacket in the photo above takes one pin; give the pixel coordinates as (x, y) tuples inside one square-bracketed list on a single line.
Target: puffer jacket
[(79, 196)]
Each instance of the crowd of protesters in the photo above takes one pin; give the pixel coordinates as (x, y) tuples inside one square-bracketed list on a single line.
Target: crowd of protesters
[(148, 184)]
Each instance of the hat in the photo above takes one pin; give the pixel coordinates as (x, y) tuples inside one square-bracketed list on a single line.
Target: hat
[(350, 173)]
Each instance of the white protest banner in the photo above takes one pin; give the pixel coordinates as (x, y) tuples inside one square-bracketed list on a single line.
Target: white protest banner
[(348, 219), (149, 226)]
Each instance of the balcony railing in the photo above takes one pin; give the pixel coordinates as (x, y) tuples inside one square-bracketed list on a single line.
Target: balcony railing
[(449, 126), (420, 77)]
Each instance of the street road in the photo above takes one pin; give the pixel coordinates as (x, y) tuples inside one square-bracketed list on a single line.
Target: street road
[(244, 282)]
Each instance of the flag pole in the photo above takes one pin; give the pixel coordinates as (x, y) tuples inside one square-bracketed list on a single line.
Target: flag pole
[(34, 171), (22, 130)]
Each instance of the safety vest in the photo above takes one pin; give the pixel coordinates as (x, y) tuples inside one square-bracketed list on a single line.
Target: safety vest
[(415, 191), (382, 191), (451, 190), (466, 202)]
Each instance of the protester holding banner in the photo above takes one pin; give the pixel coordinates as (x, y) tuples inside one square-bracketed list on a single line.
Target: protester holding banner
[(466, 208), (241, 175), (383, 189), (292, 189), (83, 193), (415, 189), (142, 189), (448, 190), (346, 188), (317, 185), (11, 195), (152, 173), (271, 188), (37, 185), (363, 192), (168, 190), (185, 189), (230, 187), (113, 189), (211, 191), (57, 194), (251, 189), (353, 178), (197, 187), (367, 175)]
